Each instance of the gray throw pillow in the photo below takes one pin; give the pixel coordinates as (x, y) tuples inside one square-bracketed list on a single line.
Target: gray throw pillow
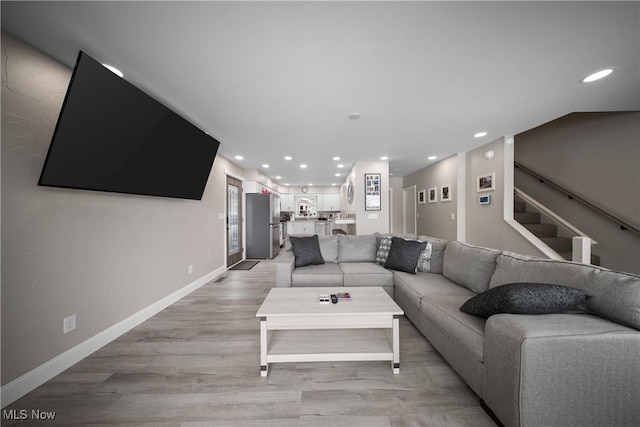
[(524, 298), (404, 254), (306, 250)]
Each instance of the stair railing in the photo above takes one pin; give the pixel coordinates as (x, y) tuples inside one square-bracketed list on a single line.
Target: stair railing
[(622, 223), (581, 242)]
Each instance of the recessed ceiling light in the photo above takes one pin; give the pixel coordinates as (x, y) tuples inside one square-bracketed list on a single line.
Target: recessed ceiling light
[(278, 177), (334, 184), (354, 116), (337, 174), (336, 158), (303, 166), (239, 158), (113, 69), (598, 75), (266, 166), (384, 158), (287, 184), (480, 134), (340, 166), (390, 173), (310, 185), (432, 157), (288, 157)]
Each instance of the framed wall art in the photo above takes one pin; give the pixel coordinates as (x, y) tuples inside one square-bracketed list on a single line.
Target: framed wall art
[(433, 195), (445, 193), (372, 192), (422, 197), (487, 182)]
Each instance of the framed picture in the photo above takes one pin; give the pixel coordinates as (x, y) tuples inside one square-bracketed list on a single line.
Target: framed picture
[(372, 192), (433, 195), (487, 182), (445, 193), (422, 197)]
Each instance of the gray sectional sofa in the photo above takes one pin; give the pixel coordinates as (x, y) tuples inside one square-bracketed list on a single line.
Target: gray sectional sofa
[(579, 368)]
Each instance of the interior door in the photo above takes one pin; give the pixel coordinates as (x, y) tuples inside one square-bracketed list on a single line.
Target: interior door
[(234, 221), (409, 210)]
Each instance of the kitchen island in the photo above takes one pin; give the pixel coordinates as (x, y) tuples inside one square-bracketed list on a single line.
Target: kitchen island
[(319, 227)]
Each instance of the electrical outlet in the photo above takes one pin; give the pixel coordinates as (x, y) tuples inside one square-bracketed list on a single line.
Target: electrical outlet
[(190, 269), (69, 324)]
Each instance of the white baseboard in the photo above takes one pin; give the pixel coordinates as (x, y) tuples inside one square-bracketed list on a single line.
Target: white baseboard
[(43, 373)]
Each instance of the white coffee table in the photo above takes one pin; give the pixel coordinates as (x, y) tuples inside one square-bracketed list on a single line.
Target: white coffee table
[(295, 327)]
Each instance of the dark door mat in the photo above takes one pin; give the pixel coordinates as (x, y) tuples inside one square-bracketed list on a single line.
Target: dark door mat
[(244, 265)]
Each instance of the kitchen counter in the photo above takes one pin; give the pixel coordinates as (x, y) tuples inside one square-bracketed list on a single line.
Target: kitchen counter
[(340, 221)]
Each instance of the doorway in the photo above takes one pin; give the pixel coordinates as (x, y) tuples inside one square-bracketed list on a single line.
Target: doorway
[(409, 210), (234, 221)]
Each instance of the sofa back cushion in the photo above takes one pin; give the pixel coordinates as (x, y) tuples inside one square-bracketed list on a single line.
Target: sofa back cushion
[(357, 248), (614, 295), (329, 248), (469, 266), (437, 253)]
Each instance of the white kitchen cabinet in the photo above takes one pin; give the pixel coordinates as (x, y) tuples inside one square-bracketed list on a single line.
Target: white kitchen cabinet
[(287, 202), (328, 202)]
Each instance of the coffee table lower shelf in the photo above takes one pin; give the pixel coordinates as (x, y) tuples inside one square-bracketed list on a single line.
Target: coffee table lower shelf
[(330, 345)]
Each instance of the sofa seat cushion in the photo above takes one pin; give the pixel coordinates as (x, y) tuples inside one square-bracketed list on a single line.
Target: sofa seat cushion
[(328, 274), (365, 274), (427, 284), (467, 330)]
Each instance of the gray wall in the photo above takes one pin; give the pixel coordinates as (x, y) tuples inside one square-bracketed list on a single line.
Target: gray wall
[(597, 156), (101, 256), (485, 225), (434, 219)]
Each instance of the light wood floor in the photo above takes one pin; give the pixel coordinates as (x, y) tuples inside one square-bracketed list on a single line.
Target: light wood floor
[(197, 364)]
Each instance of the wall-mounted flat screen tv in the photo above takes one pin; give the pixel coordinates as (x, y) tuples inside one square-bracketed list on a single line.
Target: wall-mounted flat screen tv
[(111, 136)]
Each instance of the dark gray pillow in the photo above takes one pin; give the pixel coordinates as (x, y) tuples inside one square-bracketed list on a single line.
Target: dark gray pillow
[(306, 250), (524, 298), (403, 255)]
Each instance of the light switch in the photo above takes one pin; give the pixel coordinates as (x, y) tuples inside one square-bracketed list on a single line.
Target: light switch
[(453, 216)]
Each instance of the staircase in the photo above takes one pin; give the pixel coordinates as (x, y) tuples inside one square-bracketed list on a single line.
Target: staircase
[(548, 233)]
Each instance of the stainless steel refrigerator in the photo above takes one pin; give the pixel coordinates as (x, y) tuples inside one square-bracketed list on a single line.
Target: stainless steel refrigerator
[(263, 225)]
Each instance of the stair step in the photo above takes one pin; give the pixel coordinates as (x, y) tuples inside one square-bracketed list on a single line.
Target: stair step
[(527, 217), (542, 230), (558, 244), (519, 206), (595, 259)]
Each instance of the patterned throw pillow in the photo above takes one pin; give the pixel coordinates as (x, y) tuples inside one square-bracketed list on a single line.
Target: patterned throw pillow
[(424, 260), (383, 249)]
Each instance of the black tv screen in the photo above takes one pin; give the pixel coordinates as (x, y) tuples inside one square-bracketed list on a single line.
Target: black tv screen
[(111, 136)]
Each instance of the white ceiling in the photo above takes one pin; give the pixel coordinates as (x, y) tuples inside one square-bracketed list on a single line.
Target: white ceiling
[(270, 79)]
